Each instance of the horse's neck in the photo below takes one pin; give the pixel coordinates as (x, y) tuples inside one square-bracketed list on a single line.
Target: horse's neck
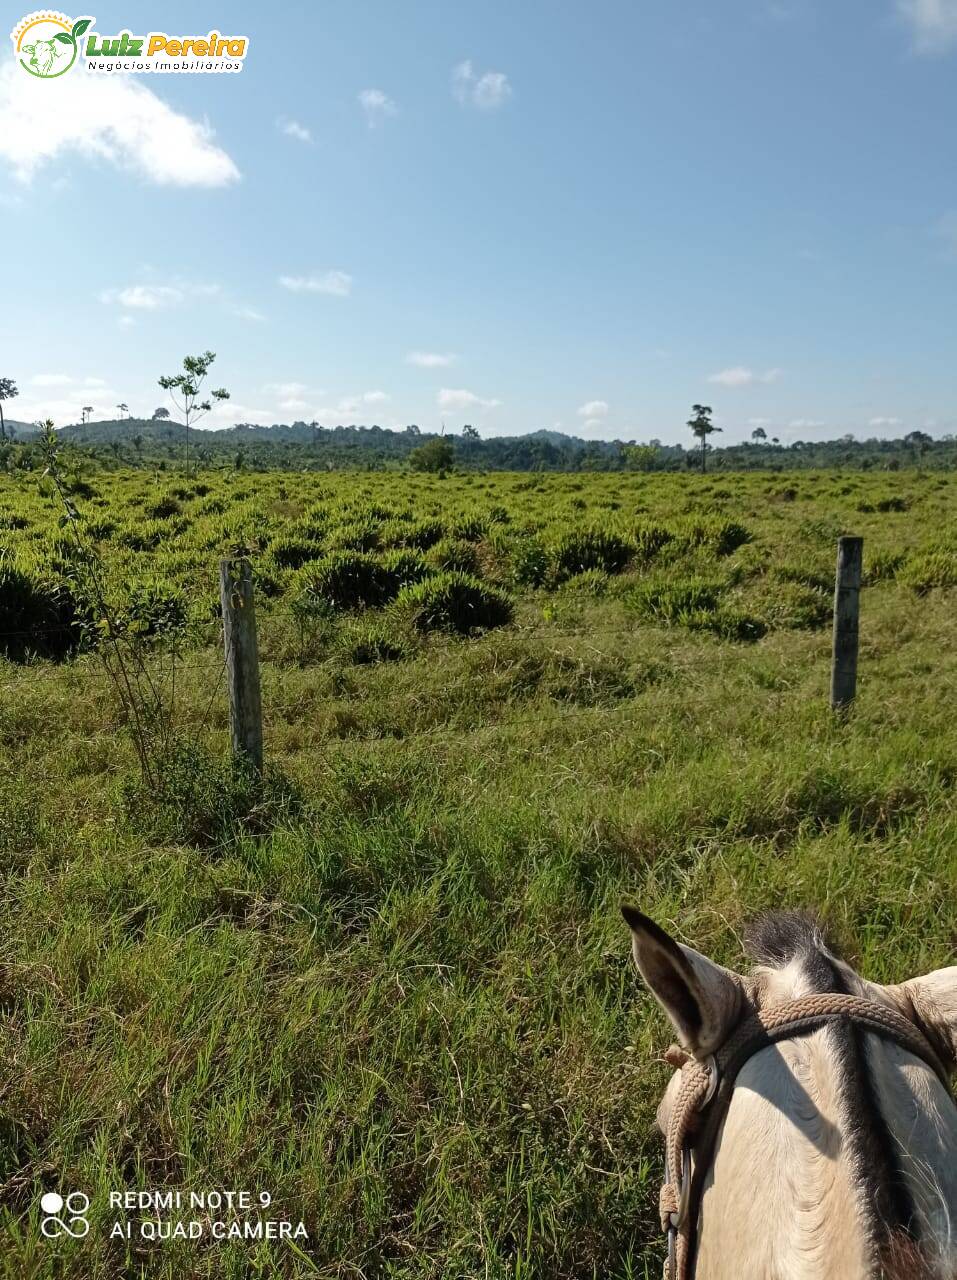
[(785, 1198)]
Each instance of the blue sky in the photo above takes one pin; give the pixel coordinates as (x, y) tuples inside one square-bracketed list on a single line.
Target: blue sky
[(516, 215)]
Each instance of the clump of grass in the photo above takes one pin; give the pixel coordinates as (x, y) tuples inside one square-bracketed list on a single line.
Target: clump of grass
[(669, 599), (720, 536), (454, 554), (454, 602), (292, 552), (922, 573), (153, 607), (377, 643), (579, 550), (208, 801), (591, 582), (38, 615), (344, 580)]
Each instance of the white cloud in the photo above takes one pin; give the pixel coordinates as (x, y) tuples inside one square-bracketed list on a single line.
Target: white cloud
[(94, 382), (51, 380), (377, 106), (739, 376), (804, 424), (594, 409), (591, 424), (293, 403), (106, 117), (286, 389), (759, 422), (933, 23), (430, 359), (449, 398), (293, 129), (374, 397), (336, 284), (248, 313), (143, 297), (884, 422), (126, 322), (488, 91)]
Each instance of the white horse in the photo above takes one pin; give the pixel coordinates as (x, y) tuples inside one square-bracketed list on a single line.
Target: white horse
[(832, 1151)]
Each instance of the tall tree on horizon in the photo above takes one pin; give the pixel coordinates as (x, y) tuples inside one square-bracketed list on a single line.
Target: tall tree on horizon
[(188, 384), (702, 426), (8, 389)]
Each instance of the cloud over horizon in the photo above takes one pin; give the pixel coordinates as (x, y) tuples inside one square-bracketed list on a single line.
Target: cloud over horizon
[(111, 118)]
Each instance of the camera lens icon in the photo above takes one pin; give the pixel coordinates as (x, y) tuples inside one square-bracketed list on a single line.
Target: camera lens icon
[(74, 1222)]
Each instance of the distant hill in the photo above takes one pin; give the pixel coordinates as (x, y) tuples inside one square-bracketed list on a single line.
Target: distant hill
[(301, 446)]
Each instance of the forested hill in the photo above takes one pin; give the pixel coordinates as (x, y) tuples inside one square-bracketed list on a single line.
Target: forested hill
[(302, 446)]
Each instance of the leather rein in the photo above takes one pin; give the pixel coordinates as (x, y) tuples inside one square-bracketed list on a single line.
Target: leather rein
[(704, 1096)]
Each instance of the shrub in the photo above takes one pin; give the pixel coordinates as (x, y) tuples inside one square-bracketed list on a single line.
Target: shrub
[(469, 528), (529, 563), (162, 508), (153, 607), (208, 801), (38, 616), (435, 455), (344, 580), (422, 534), (592, 549), (455, 554), (454, 602), (357, 535)]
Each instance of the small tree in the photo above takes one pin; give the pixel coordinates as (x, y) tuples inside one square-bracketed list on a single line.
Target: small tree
[(160, 415), (758, 434), (188, 384), (702, 426), (8, 389), (86, 413), (124, 408), (640, 457), (469, 432), (434, 455)]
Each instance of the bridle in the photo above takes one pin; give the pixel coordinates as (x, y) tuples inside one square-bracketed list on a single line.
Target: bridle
[(704, 1096)]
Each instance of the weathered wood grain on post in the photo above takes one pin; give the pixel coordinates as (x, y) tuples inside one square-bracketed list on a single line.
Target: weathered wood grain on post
[(847, 601), (242, 658)]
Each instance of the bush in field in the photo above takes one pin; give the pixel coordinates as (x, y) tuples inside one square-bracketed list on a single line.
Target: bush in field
[(377, 643), (591, 582), (421, 534), (933, 569), (650, 538), (292, 552), (38, 616), (667, 599), (344, 580), (720, 536), (358, 535), (882, 566), (208, 801), (455, 554), (400, 568), (469, 528), (162, 508), (592, 549), (454, 602), (435, 455), (530, 563), (154, 607)]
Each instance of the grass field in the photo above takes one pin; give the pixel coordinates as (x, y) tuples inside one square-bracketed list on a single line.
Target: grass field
[(397, 994)]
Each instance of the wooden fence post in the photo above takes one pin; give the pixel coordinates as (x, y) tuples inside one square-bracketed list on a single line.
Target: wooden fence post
[(847, 599), (242, 659)]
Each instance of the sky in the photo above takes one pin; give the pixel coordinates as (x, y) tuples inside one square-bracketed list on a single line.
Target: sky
[(520, 216)]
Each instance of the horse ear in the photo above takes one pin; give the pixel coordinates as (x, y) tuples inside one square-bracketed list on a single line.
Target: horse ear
[(931, 1002), (702, 999)]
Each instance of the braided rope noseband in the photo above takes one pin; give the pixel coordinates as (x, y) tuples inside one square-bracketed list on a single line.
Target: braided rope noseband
[(704, 1096)]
